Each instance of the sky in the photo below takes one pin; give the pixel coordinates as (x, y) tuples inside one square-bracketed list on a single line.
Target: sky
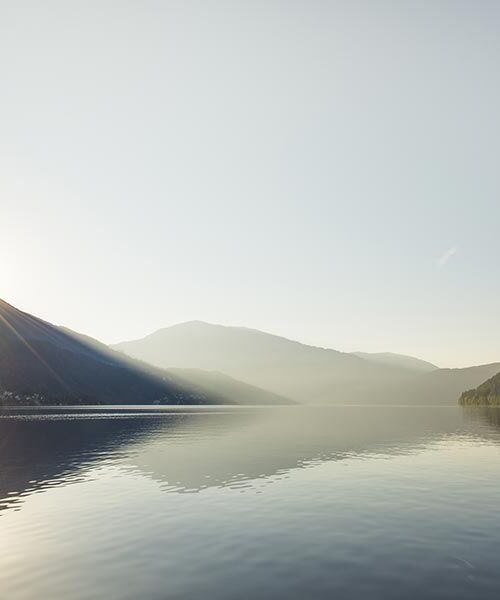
[(323, 170)]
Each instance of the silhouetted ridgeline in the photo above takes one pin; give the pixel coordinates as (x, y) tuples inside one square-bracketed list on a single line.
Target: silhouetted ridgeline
[(487, 394), (198, 363)]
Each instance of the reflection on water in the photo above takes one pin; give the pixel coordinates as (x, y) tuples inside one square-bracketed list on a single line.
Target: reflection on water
[(287, 502)]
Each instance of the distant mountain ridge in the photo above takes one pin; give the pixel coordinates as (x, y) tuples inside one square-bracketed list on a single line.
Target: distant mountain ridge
[(301, 372), (398, 360), (42, 363), (285, 367)]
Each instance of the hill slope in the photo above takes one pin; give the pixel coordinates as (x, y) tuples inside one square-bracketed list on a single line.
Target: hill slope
[(37, 358), (227, 389), (488, 393), (411, 363), (442, 386)]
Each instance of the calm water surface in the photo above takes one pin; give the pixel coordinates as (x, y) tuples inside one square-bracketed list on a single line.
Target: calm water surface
[(237, 503)]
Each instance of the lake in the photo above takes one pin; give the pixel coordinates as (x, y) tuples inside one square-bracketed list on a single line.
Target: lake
[(250, 503)]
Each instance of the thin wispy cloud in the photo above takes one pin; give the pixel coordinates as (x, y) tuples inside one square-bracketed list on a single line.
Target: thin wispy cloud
[(446, 257)]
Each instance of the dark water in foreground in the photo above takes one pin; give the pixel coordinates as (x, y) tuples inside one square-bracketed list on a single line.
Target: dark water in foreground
[(231, 503)]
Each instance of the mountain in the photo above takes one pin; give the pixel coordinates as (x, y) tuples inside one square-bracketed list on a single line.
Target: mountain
[(304, 373), (282, 366), (488, 393), (42, 363), (285, 367), (398, 360)]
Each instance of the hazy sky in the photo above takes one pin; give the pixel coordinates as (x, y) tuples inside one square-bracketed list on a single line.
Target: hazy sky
[(324, 170)]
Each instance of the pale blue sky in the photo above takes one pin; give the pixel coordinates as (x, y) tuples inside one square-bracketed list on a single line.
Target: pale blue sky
[(325, 170)]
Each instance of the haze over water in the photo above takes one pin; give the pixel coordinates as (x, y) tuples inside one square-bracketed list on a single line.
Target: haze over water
[(237, 503)]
